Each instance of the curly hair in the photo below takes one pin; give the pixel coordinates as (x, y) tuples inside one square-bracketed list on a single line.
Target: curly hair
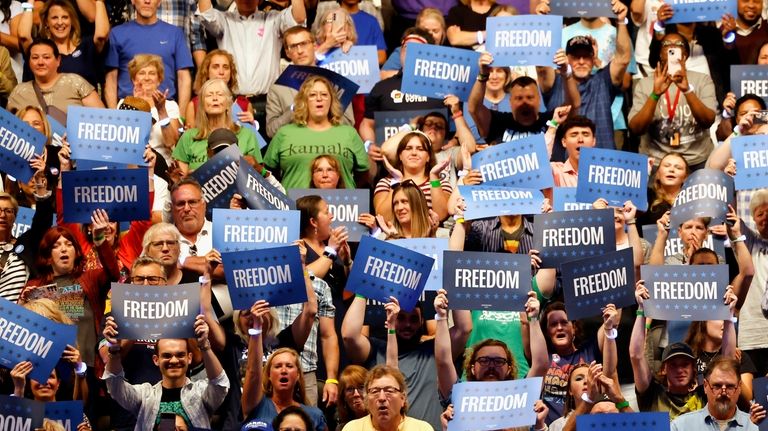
[(140, 61), (489, 342), (301, 102)]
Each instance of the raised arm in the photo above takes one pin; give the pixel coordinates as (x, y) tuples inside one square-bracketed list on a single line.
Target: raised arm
[(623, 54), (479, 112), (302, 325), (101, 26), (299, 11), (357, 345), (641, 370), (392, 308), (657, 252), (743, 279), (446, 372), (606, 339), (539, 354), (253, 390)]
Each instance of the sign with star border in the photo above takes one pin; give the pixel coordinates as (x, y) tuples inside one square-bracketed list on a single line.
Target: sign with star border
[(685, 292), (430, 247), (293, 76), (258, 192), (705, 193), (123, 193), (760, 386), (506, 404), (273, 274), (46, 338), (636, 421), (565, 200), (522, 163), (108, 135), (523, 40), (749, 79), (437, 71), (67, 413), (236, 110), (388, 122), (360, 64), (19, 143), (581, 8), (487, 281), (700, 11), (218, 178), (382, 269), (346, 205), (589, 284), (561, 237), (751, 155), (23, 221), (19, 413), (616, 176), (144, 312), (240, 230), (674, 244), (489, 201)]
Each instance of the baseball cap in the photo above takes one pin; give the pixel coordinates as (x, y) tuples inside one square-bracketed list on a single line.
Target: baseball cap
[(221, 138), (578, 43), (677, 349), (256, 425)]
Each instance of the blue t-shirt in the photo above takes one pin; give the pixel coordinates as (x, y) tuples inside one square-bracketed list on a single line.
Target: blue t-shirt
[(368, 30), (163, 39), (266, 411)]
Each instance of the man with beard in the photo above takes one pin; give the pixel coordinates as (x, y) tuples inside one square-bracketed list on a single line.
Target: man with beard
[(749, 28), (415, 359), (721, 385)]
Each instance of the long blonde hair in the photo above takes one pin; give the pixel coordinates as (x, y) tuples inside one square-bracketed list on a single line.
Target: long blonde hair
[(301, 105), (299, 394), (348, 23), (201, 117)]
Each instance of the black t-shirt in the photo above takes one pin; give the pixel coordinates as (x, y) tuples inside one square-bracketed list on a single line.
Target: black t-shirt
[(504, 128), (467, 19), (386, 96)]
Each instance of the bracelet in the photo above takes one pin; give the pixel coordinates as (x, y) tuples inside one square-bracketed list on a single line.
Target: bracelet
[(586, 398), (631, 221), (329, 252), (438, 318), (654, 96), (462, 173), (264, 172), (348, 263), (553, 123), (391, 331), (80, 369), (27, 7), (253, 332), (658, 27), (739, 239), (726, 114), (458, 114), (357, 295), (533, 318), (622, 405), (482, 77), (406, 128), (647, 326), (640, 313), (611, 334), (203, 279), (729, 37), (332, 381), (690, 89), (480, 37), (204, 347), (458, 219), (436, 184), (737, 130), (100, 237), (164, 122)]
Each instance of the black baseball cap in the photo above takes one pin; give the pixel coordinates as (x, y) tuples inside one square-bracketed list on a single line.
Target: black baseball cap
[(579, 43), (677, 349)]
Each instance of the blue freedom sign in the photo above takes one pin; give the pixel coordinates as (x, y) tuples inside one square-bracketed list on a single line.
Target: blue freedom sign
[(218, 178), (239, 230), (705, 193), (494, 405), (686, 292), (58, 131), (749, 79), (259, 193), (522, 163), (751, 155), (28, 336), (108, 135), (674, 244), (236, 109), (388, 122), (382, 270), (639, 421), (360, 65), (437, 71), (700, 11), (293, 76), (561, 237), (19, 143), (589, 284), (144, 312), (490, 201), (581, 8), (430, 247), (123, 193), (616, 176), (760, 386), (524, 40), (23, 221), (487, 281), (18, 413), (272, 274), (67, 413), (565, 200), (346, 205)]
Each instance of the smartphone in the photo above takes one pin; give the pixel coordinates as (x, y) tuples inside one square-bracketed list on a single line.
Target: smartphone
[(760, 117), (674, 57), (338, 21), (167, 422)]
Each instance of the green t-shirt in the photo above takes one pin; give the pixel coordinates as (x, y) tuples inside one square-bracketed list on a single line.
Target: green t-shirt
[(195, 153), (294, 147)]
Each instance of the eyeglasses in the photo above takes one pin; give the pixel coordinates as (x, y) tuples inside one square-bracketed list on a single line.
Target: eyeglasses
[(494, 361), (437, 125), (8, 211), (295, 46), (162, 244), (729, 388), (387, 390), (193, 203), (153, 280), (350, 390)]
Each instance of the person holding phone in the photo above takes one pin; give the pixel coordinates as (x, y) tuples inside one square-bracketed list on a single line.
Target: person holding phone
[(674, 108)]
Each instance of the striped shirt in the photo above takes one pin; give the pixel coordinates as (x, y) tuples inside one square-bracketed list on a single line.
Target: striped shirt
[(13, 275)]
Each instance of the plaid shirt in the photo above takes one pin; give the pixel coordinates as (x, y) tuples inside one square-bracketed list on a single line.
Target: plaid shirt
[(181, 13)]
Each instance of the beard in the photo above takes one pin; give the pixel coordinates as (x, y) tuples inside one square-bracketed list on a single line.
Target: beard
[(723, 407)]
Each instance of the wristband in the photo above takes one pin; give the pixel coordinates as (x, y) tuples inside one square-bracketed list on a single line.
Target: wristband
[(611, 334), (436, 184), (81, 368), (737, 130), (690, 89), (393, 182), (480, 37), (264, 172), (253, 332), (482, 77), (27, 7), (654, 96), (640, 313), (203, 279), (332, 381), (329, 252), (204, 347), (647, 326), (391, 331), (586, 398), (622, 405), (729, 37), (553, 123), (533, 318), (631, 221), (438, 318), (726, 114), (98, 238), (739, 239), (458, 114), (406, 128), (357, 295), (658, 27), (348, 263), (164, 122), (568, 71), (734, 320)]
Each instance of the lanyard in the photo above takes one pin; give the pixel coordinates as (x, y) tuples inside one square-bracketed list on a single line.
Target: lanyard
[(671, 108)]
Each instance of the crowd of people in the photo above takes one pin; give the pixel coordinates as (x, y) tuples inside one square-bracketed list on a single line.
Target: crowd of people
[(206, 72)]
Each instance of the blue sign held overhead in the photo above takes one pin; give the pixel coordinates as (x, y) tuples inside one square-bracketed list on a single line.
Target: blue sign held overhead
[(487, 281), (293, 76), (437, 71), (522, 163), (272, 274), (258, 192), (239, 230), (144, 312), (19, 143), (218, 178), (589, 284), (360, 64), (123, 193), (495, 405), (18, 413), (108, 135), (68, 413), (700, 11), (565, 200), (705, 193), (345, 205), (429, 247), (749, 79), (686, 292), (751, 155), (616, 176), (524, 40), (490, 201), (382, 270), (561, 237), (581, 8), (639, 421)]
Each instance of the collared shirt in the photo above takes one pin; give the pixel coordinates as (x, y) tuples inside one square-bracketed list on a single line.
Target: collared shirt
[(486, 235), (694, 421), (565, 174), (204, 242)]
